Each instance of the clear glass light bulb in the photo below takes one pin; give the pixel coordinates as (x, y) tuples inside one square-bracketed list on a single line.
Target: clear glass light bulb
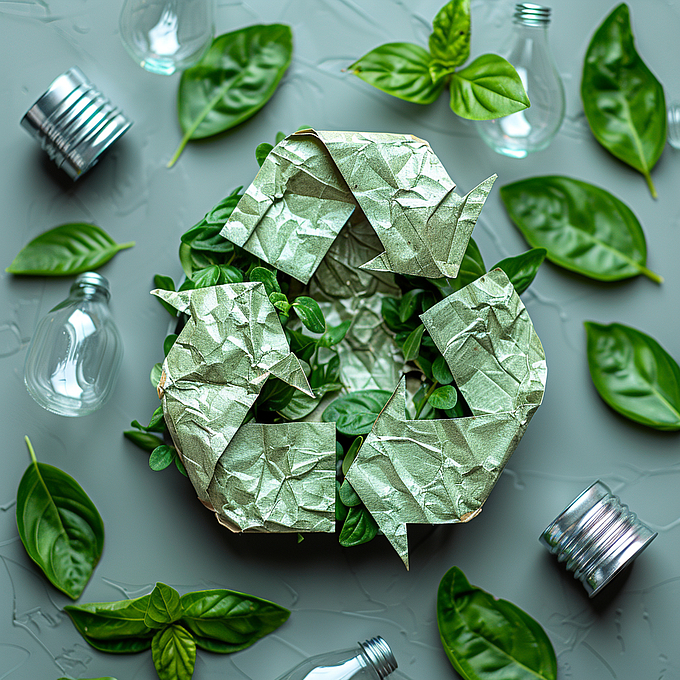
[(534, 128), (75, 354), (164, 36), (372, 660)]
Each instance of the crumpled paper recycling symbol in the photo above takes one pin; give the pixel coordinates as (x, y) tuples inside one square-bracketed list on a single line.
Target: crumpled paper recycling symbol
[(281, 477)]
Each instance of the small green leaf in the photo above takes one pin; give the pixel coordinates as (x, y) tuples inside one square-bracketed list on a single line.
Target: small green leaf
[(262, 152), (441, 371), (351, 454), (409, 303), (66, 250), (450, 38), (165, 283), (229, 274), (412, 343), (334, 334), (444, 397), (359, 527), (348, 495), (266, 277), (145, 441), (174, 653), (155, 375), (161, 457), (487, 88), (400, 69), (310, 314), (157, 422), (180, 465), (280, 136), (164, 607), (168, 343), (355, 413), (340, 508), (522, 269), (205, 278)]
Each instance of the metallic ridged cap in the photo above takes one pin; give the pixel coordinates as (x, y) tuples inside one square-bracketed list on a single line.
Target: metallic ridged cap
[(380, 655), (597, 536), (74, 123), (529, 14), (92, 279)]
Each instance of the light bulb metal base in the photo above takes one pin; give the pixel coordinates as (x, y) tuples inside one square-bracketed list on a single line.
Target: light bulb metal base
[(380, 655)]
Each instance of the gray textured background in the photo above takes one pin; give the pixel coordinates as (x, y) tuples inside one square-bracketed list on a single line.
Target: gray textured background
[(156, 530)]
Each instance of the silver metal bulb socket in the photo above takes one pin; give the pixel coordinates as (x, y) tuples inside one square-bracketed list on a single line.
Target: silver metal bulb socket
[(380, 655), (529, 14)]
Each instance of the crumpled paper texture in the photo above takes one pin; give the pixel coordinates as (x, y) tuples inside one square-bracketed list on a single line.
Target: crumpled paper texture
[(442, 471), (311, 182), (232, 342)]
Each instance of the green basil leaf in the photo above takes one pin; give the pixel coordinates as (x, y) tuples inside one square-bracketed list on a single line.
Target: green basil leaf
[(233, 81), (233, 619), (155, 375), (268, 278), (444, 397), (400, 69), (113, 626), (174, 653), (351, 454), (157, 422), (450, 38), (412, 343), (441, 371), (334, 334), (355, 413), (168, 343), (634, 375), (359, 527), (205, 278), (165, 283), (221, 212), (59, 526), (409, 303), (161, 457), (583, 228), (66, 250), (262, 152), (522, 269), (488, 639), (623, 101), (340, 508), (310, 313), (163, 607), (147, 442), (348, 495), (487, 88)]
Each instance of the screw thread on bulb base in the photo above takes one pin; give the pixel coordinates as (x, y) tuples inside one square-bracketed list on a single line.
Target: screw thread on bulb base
[(529, 14), (380, 655)]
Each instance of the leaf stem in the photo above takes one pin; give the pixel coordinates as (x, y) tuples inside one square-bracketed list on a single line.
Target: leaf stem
[(651, 275), (650, 184), (123, 246), (30, 450), (428, 394), (180, 148)]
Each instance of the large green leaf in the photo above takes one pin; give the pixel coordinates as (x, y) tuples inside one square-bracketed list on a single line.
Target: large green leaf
[(623, 101), (59, 526), (487, 88), (522, 269), (634, 375), (400, 69), (226, 621), (309, 313), (583, 228), (490, 639), (233, 81), (355, 413), (450, 38), (164, 607), (66, 250), (359, 527), (174, 653), (412, 343)]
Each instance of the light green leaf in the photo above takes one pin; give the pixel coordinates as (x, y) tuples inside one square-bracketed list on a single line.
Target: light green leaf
[(164, 607), (174, 653), (450, 38)]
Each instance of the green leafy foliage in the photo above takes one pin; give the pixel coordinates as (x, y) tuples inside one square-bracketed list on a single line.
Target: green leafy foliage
[(522, 269), (161, 457), (174, 653), (165, 283), (634, 375), (487, 88), (359, 527), (59, 526), (445, 397), (412, 344), (233, 81), (486, 638), (163, 607), (355, 413), (145, 441), (309, 313), (623, 101), (582, 227), (66, 250)]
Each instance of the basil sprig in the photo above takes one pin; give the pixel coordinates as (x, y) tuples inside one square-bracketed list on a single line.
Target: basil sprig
[(582, 227), (173, 626), (59, 526), (486, 638), (233, 81), (634, 375), (487, 88), (623, 101)]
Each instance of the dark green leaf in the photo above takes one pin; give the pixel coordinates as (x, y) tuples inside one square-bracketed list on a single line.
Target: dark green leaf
[(409, 303), (400, 69), (583, 228), (441, 371), (147, 442), (489, 639), (412, 343), (180, 465), (275, 395), (355, 413), (221, 212), (351, 454), (359, 527), (335, 334), (59, 526), (348, 495), (262, 152), (444, 397), (233, 81), (205, 278), (165, 283), (174, 653), (390, 314), (155, 375), (487, 88), (157, 422), (164, 607), (229, 274), (340, 508), (168, 343), (301, 345), (450, 38), (522, 269), (267, 277), (161, 457), (634, 375), (310, 314), (302, 404), (66, 250), (623, 101), (234, 619)]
